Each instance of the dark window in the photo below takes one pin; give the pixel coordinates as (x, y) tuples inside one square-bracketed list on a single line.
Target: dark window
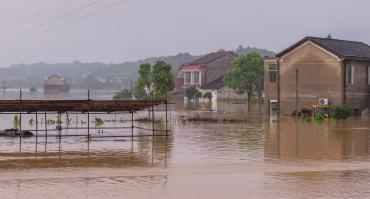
[(187, 77), (196, 77), (273, 72)]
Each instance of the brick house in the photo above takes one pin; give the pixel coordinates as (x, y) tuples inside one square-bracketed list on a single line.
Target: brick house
[(335, 71), (207, 73), (55, 84)]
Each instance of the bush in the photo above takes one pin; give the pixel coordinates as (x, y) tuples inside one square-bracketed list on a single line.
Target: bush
[(123, 94), (340, 113), (208, 95), (140, 93), (15, 121), (192, 93), (320, 118), (98, 121)]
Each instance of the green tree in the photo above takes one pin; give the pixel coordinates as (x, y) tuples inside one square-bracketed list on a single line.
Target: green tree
[(192, 93), (162, 79), (139, 92), (145, 77), (243, 75)]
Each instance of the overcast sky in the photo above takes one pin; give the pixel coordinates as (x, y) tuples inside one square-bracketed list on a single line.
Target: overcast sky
[(137, 29)]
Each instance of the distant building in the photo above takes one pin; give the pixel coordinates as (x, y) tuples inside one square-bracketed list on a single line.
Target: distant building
[(207, 73), (55, 84), (330, 72)]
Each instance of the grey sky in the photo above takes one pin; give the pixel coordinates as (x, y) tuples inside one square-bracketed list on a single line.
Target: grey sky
[(137, 29)]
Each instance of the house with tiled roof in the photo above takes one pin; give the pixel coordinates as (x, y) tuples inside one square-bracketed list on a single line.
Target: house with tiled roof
[(319, 71), (207, 72)]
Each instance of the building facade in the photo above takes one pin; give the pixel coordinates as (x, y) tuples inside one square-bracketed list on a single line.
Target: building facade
[(337, 72), (207, 72), (55, 84)]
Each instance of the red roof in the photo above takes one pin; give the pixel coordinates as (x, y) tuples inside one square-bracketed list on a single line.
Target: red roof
[(193, 67)]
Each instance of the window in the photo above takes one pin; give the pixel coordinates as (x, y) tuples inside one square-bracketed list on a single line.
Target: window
[(196, 77), (273, 106), (273, 72), (187, 77), (350, 74)]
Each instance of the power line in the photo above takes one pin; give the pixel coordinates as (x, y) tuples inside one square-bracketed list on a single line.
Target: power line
[(34, 16), (65, 23), (52, 20)]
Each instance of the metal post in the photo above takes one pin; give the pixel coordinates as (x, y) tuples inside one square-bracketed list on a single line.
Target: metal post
[(20, 120), (296, 92), (88, 115), (37, 130), (46, 131), (88, 124), (166, 117), (132, 124), (153, 126), (60, 125)]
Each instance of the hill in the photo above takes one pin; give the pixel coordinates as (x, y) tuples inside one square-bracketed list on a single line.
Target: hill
[(94, 75)]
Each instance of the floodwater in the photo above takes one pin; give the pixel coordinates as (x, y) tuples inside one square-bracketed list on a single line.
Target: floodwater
[(248, 157)]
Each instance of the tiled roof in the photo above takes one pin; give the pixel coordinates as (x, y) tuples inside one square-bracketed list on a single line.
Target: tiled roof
[(342, 48), (216, 84), (206, 59)]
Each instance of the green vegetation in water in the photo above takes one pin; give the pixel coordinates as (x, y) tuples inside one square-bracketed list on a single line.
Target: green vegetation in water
[(208, 95), (15, 121), (340, 113), (320, 118), (123, 94), (192, 93), (51, 122), (30, 122), (99, 122)]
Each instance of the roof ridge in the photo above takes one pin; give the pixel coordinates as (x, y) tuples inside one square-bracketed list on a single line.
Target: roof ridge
[(342, 40)]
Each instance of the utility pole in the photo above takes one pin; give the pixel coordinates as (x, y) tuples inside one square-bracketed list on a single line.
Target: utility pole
[(4, 86), (296, 92)]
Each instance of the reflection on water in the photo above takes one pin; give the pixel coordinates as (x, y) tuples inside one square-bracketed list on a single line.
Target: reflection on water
[(306, 140), (248, 158)]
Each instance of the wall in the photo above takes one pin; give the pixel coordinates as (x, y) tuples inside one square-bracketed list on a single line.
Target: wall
[(320, 76), (357, 94), (271, 92)]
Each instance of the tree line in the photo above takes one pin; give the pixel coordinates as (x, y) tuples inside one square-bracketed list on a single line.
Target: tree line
[(154, 82)]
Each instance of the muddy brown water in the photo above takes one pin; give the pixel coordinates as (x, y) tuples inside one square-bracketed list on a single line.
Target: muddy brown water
[(252, 158)]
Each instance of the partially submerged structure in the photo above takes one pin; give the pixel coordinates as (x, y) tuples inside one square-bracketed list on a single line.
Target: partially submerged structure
[(55, 84), (207, 72), (318, 71)]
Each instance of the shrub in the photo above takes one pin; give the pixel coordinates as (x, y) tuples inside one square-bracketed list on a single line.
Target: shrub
[(140, 93), (320, 118), (208, 95), (98, 121), (123, 94), (340, 113), (192, 93), (15, 121)]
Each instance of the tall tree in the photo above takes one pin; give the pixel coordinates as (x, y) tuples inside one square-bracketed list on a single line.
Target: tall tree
[(145, 77), (162, 79), (243, 75)]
